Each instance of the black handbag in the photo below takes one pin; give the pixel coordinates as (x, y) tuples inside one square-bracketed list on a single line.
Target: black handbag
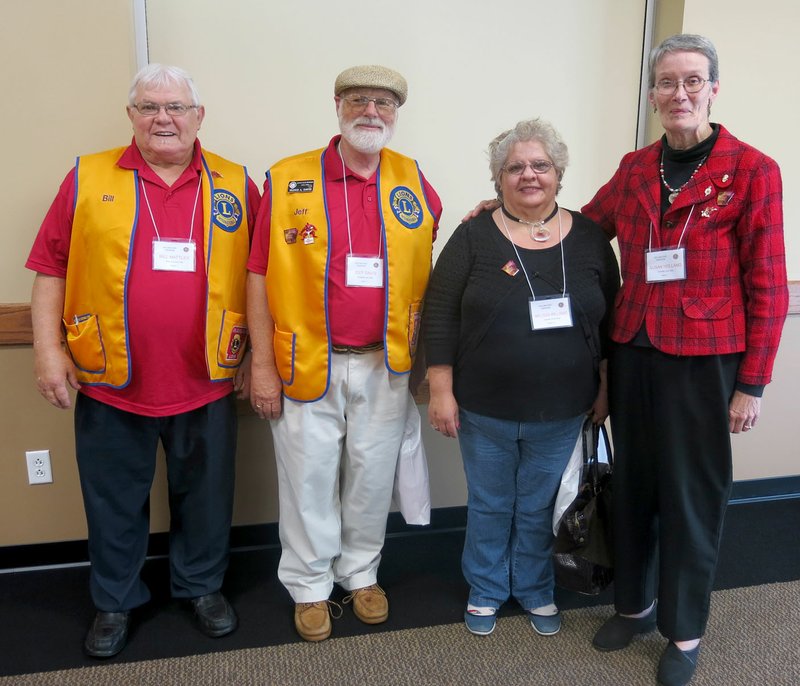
[(583, 551)]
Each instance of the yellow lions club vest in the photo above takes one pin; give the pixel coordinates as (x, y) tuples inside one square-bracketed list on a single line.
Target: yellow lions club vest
[(296, 278), (104, 226)]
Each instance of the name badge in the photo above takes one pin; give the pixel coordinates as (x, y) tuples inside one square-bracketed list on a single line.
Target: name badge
[(174, 255), (364, 272), (665, 265), (550, 312)]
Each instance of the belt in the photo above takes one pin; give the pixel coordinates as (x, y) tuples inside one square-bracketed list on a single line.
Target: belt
[(358, 349)]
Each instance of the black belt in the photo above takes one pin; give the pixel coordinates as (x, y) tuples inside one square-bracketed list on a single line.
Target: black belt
[(358, 349)]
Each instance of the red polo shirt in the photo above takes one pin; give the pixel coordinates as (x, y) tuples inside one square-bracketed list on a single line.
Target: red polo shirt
[(355, 315)]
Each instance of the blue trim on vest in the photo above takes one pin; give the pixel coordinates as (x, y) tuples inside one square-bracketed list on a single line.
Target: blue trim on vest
[(327, 267), (385, 279)]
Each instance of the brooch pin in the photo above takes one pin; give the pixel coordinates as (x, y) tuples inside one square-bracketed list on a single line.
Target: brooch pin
[(510, 268)]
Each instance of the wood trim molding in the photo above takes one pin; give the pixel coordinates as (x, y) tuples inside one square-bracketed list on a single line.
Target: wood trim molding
[(15, 324), (16, 328)]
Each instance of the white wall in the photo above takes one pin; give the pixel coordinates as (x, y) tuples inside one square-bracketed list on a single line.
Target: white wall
[(474, 69)]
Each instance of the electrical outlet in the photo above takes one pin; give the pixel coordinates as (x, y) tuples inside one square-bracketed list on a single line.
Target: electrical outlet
[(39, 469)]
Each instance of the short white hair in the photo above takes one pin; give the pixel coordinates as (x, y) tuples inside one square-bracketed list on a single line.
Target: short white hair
[(160, 75)]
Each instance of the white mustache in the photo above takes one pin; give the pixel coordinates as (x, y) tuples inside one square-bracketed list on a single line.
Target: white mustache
[(370, 121)]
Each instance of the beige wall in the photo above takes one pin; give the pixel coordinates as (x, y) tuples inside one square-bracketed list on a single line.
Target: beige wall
[(73, 62)]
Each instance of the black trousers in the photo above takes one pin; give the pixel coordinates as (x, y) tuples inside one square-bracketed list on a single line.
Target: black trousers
[(116, 453), (672, 480)]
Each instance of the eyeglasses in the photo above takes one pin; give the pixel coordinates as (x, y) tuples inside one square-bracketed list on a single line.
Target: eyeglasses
[(173, 109), (358, 103), (691, 85), (538, 166)]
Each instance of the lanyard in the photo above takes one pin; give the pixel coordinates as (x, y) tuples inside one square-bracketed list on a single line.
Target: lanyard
[(153, 219), (686, 224), (347, 208), (522, 266)]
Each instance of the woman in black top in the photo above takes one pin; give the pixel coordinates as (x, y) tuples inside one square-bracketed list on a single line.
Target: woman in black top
[(515, 342)]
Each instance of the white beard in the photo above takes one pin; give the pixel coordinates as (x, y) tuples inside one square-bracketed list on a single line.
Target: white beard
[(368, 142)]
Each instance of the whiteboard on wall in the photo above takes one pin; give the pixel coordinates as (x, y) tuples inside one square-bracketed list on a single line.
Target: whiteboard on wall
[(265, 72)]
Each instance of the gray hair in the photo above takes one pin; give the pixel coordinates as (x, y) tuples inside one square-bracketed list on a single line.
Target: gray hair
[(685, 42), (529, 130), (160, 75)]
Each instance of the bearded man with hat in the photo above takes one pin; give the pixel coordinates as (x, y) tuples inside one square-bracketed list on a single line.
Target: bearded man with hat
[(338, 268)]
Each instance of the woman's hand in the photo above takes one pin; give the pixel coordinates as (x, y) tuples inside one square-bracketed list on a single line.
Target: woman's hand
[(443, 414), (442, 407), (743, 412), (599, 410), (482, 206)]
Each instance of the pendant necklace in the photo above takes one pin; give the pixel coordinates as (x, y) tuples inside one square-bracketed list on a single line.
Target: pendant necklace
[(538, 231), (673, 192)]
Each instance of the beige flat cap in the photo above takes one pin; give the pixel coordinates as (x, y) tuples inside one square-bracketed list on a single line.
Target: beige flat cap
[(372, 76)]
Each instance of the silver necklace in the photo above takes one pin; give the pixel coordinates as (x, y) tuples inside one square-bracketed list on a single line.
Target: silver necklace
[(537, 230)]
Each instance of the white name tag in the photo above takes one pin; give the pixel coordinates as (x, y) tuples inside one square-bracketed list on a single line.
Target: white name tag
[(552, 312), (665, 265), (174, 255), (364, 272)]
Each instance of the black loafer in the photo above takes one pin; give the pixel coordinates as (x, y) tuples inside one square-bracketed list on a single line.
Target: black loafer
[(619, 631), (676, 667), (107, 635), (214, 614)]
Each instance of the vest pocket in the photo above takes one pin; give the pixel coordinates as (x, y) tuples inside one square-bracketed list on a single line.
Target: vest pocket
[(85, 344), (283, 344), (232, 339)]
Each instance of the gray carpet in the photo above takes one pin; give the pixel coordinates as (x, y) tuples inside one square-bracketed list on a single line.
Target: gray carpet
[(753, 639)]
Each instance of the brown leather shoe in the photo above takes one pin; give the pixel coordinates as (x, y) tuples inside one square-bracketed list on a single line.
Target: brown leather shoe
[(313, 620), (369, 603)]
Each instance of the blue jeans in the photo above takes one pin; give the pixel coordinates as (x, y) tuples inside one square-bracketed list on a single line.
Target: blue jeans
[(513, 473)]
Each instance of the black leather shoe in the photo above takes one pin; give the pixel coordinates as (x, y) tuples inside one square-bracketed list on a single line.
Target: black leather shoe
[(676, 667), (214, 614), (619, 631), (107, 635)]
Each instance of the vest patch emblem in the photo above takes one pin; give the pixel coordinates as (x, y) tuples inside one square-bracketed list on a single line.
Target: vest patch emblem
[(226, 210), (290, 236), (301, 186), (406, 207), (236, 343)]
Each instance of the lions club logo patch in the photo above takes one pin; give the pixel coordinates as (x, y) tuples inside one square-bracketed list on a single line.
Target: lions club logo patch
[(406, 207), (226, 210)]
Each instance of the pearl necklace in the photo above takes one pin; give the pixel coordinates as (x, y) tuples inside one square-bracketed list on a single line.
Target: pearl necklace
[(538, 231), (673, 192)]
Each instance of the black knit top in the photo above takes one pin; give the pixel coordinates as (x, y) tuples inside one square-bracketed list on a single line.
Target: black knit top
[(477, 320)]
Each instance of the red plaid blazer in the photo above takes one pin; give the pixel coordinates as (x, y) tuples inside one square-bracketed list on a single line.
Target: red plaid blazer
[(735, 296)]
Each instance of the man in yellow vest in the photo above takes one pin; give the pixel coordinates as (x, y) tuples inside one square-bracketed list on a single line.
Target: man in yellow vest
[(340, 260), (139, 304)]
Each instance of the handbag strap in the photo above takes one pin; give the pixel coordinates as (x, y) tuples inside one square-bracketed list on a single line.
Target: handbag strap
[(591, 434)]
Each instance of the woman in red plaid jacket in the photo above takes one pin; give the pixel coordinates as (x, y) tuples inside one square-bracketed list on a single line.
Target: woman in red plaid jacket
[(699, 221)]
